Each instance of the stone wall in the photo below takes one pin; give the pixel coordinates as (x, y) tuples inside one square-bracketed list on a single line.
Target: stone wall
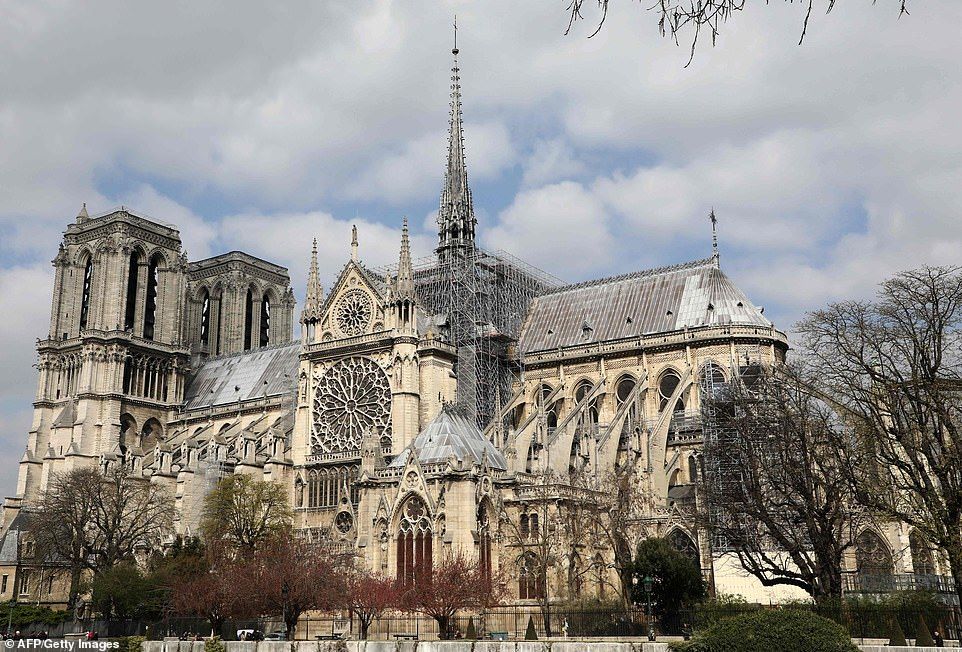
[(454, 646)]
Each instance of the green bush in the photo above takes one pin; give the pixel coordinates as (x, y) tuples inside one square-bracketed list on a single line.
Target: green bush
[(130, 643), (28, 614), (530, 634), (214, 644), (784, 630), (472, 632), (923, 637), (896, 635)]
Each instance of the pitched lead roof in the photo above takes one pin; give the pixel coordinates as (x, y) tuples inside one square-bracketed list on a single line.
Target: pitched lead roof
[(272, 371), (654, 301)]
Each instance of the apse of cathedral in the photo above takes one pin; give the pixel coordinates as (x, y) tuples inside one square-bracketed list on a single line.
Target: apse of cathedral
[(421, 401)]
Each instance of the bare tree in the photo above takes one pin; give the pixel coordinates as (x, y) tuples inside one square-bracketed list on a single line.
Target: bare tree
[(93, 521), (243, 511), (130, 513), (895, 366), (532, 533), (619, 500), (60, 525), (774, 490), (675, 17)]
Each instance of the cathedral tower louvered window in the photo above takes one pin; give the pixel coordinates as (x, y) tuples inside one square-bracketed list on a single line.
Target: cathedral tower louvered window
[(150, 307), (85, 294), (130, 306)]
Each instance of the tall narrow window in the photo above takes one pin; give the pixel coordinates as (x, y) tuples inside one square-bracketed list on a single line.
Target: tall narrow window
[(414, 544), (219, 336), (205, 319), (133, 271), (150, 308), (85, 295), (265, 321), (484, 539), (248, 319), (531, 580)]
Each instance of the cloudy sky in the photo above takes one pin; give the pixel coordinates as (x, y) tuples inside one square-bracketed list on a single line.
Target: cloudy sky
[(829, 165)]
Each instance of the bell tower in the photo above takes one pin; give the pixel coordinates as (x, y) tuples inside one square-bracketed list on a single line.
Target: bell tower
[(113, 362)]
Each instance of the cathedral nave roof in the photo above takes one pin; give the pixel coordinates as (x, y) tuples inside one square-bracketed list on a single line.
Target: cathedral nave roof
[(653, 301)]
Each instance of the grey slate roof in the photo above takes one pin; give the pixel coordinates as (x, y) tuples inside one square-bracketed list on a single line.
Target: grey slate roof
[(213, 381), (653, 301), (448, 436)]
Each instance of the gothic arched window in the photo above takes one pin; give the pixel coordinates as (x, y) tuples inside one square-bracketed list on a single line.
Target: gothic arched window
[(922, 561), (484, 540), (874, 561), (150, 307), (684, 544), (248, 318), (265, 334), (415, 554), (531, 580), (85, 293), (666, 389), (205, 318), (130, 308)]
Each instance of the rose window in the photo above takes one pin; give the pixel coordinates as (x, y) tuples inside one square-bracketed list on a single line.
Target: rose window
[(354, 311), (351, 398)]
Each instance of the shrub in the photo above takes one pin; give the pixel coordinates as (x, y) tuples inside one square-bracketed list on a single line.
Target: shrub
[(214, 644), (471, 633), (923, 637), (530, 634), (20, 615), (896, 635), (130, 643), (788, 630)]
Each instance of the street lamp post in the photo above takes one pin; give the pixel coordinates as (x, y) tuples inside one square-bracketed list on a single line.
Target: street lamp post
[(648, 581)]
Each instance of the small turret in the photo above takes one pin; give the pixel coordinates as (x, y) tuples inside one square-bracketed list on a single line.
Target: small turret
[(313, 301), (404, 300)]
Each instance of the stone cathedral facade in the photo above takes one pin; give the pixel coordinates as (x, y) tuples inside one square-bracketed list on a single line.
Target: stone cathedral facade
[(417, 409)]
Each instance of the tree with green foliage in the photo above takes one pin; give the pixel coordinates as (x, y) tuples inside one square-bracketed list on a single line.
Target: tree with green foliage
[(242, 511), (123, 591), (676, 580), (772, 629), (183, 559)]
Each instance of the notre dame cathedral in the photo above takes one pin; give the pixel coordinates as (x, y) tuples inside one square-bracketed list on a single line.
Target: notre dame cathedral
[(420, 404)]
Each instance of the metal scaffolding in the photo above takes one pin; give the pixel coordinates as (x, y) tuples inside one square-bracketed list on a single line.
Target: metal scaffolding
[(724, 475), (477, 300)]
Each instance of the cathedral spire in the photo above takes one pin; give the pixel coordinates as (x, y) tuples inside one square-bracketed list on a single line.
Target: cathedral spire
[(315, 293), (456, 220), (405, 272)]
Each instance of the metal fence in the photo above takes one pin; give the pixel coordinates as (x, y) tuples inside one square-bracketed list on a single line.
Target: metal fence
[(862, 620)]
